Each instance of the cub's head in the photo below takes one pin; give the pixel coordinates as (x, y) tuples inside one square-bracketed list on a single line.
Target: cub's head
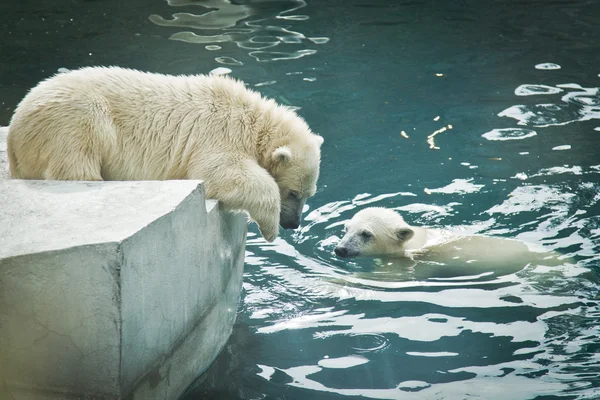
[(295, 167), (374, 231)]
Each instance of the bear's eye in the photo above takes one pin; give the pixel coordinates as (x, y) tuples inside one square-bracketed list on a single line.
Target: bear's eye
[(366, 235), (294, 195)]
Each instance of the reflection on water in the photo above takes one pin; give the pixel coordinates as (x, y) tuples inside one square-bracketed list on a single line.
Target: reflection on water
[(262, 36), (578, 104)]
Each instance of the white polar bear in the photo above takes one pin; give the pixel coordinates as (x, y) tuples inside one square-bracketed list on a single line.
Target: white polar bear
[(381, 232), (110, 123)]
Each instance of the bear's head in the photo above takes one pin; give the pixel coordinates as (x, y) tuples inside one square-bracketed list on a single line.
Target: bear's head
[(374, 231), (295, 164)]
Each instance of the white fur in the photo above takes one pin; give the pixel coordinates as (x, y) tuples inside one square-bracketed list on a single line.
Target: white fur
[(436, 245), (112, 123)]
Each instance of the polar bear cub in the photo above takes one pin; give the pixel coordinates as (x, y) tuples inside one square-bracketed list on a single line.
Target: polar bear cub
[(381, 232), (112, 123)]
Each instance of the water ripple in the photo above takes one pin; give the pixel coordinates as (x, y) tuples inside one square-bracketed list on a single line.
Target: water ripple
[(579, 104), (251, 27)]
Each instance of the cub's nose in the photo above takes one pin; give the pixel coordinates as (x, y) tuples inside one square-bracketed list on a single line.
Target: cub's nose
[(341, 251)]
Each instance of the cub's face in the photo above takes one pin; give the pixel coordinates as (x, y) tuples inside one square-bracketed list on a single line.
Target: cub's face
[(374, 232), (296, 174)]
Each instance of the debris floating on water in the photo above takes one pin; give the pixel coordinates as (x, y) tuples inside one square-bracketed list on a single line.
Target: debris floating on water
[(431, 140)]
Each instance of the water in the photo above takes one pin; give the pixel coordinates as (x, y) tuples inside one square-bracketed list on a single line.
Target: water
[(478, 116)]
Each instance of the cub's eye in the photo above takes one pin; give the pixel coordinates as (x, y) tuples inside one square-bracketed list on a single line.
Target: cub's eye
[(366, 235), (294, 195)]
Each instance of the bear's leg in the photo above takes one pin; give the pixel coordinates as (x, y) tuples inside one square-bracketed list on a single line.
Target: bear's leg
[(243, 185), (79, 157), (76, 168)]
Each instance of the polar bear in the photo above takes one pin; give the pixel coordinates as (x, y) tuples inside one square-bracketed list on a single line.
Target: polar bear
[(111, 123), (382, 232)]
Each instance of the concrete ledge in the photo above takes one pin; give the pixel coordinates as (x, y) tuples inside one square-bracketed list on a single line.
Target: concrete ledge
[(113, 290)]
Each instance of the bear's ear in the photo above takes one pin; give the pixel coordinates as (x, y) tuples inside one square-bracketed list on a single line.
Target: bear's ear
[(282, 154), (319, 140), (404, 234)]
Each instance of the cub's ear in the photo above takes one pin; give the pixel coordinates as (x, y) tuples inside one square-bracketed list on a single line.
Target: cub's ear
[(404, 234), (319, 140), (282, 154)]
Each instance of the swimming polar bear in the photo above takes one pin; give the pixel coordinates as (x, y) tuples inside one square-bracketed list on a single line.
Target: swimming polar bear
[(383, 233)]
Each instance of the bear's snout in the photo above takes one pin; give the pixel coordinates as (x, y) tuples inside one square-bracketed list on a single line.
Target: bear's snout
[(341, 251), (344, 252), (290, 224)]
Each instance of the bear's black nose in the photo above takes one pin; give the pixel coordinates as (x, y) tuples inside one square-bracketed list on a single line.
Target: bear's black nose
[(341, 251), (290, 224)]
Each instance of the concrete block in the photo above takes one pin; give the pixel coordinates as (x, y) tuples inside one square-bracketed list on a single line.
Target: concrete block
[(113, 290)]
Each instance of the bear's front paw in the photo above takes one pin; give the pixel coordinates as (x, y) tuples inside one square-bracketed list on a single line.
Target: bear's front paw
[(269, 230)]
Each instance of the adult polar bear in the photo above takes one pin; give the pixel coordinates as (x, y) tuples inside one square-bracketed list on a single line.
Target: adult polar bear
[(111, 123)]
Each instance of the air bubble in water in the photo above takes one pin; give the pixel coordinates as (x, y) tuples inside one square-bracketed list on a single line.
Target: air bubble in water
[(212, 47)]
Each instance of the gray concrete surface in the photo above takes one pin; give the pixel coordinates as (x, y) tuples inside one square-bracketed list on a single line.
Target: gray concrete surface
[(113, 290)]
